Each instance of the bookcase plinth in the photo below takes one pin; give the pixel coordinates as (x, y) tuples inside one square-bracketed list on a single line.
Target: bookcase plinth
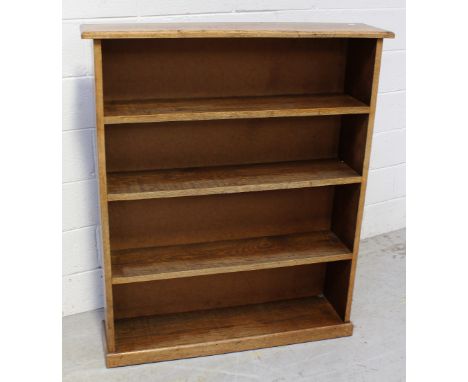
[(185, 335)]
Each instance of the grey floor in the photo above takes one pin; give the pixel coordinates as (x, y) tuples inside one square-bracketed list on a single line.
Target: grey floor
[(375, 352)]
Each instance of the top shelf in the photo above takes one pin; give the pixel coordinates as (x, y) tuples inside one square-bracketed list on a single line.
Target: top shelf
[(139, 111), (217, 30)]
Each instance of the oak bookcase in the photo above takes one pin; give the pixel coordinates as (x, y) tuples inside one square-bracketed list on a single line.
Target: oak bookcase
[(233, 162)]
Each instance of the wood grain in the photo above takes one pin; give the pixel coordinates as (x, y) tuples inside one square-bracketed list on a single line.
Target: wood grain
[(166, 337), (158, 263), (216, 237), (215, 30), (228, 179), (134, 111), (101, 161)]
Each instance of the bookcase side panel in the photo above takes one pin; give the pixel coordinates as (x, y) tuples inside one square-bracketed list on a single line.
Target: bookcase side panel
[(375, 62), (101, 159)]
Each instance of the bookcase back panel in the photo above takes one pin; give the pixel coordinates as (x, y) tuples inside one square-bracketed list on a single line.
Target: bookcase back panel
[(158, 222), (215, 291), (168, 145), (192, 68)]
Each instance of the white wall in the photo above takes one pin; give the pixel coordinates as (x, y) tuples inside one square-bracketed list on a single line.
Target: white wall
[(385, 203)]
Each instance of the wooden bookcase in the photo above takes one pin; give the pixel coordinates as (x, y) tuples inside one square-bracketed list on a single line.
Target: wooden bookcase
[(233, 162)]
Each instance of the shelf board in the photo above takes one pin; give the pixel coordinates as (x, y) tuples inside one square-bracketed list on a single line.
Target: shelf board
[(228, 179), (160, 263), (207, 332), (225, 29), (135, 111)]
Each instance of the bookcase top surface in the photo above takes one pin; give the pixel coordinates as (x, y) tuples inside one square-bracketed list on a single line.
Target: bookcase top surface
[(220, 30)]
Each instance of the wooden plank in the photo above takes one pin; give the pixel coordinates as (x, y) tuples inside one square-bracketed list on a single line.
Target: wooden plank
[(101, 159), (215, 30), (134, 111), (228, 179), (182, 335), (159, 263)]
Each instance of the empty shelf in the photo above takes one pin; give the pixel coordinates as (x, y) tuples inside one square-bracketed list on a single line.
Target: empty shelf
[(158, 263), (135, 111), (228, 179), (165, 337)]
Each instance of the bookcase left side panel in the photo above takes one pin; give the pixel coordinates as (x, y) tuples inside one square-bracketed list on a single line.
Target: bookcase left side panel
[(102, 178)]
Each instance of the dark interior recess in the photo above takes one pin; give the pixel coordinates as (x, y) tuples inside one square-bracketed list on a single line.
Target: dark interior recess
[(234, 289), (172, 145), (162, 222), (203, 68), (166, 145), (186, 220), (216, 291)]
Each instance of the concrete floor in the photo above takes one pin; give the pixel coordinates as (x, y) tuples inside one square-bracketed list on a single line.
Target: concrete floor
[(375, 352)]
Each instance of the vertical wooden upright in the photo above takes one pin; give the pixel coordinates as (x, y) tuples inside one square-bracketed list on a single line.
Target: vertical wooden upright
[(233, 162), (101, 160)]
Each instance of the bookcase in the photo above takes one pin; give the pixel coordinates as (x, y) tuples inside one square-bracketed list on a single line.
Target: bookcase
[(233, 163)]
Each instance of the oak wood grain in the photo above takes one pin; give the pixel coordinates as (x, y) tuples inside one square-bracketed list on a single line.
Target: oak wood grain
[(227, 239), (214, 30), (228, 179), (165, 337), (101, 162), (158, 263), (133, 111)]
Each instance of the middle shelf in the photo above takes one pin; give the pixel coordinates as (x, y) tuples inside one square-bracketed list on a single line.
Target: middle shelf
[(161, 263), (139, 185), (159, 110)]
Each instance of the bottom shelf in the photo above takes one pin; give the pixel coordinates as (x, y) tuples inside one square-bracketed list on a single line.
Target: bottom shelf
[(208, 332)]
